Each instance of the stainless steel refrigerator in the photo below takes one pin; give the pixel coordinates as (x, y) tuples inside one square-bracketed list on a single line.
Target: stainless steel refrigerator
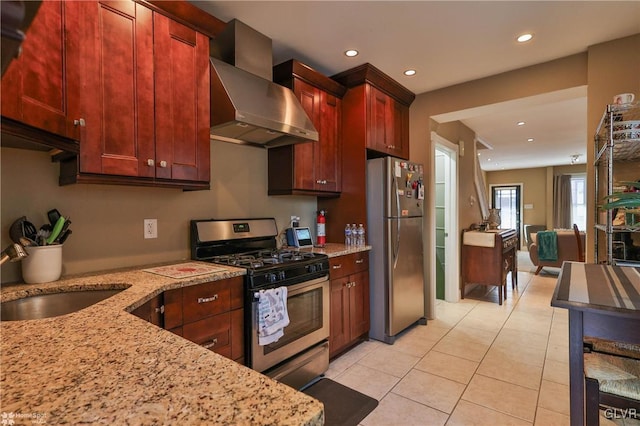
[(395, 200)]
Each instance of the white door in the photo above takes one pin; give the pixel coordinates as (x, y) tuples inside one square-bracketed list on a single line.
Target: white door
[(446, 253)]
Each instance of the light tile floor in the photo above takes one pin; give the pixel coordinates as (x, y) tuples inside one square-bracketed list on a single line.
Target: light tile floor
[(478, 363)]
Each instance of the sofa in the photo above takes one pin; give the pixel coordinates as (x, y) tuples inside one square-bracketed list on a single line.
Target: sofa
[(530, 230), (567, 250)]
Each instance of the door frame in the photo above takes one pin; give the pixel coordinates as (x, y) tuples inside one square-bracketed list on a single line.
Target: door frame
[(520, 187), (452, 244)]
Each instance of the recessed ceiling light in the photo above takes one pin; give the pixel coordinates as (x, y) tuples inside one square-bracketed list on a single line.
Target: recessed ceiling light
[(351, 53), (524, 37), (530, 140), (410, 72), (520, 123)]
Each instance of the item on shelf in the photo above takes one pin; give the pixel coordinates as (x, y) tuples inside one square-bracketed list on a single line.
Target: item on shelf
[(494, 219), (623, 98), (621, 126)]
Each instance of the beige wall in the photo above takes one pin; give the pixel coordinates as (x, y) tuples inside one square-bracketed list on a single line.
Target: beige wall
[(537, 189), (598, 68), (107, 220)]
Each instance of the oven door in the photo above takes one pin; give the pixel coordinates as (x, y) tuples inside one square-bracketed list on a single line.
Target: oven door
[(308, 308)]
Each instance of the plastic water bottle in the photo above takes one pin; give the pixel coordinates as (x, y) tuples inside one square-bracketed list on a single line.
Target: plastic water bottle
[(347, 235), (354, 235), (361, 235)]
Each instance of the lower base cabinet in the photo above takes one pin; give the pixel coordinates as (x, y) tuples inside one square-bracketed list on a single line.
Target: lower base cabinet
[(209, 314), (349, 298)]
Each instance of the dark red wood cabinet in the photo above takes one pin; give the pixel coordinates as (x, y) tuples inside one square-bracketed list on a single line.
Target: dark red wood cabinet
[(209, 314), (375, 116), (310, 168), (349, 298), (34, 87), (129, 83)]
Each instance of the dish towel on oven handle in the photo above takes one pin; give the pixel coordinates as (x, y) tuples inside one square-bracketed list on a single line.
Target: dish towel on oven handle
[(273, 316)]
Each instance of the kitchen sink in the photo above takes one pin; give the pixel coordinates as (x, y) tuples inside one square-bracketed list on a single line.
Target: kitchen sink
[(52, 305)]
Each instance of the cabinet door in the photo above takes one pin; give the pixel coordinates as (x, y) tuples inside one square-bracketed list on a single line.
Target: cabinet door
[(181, 101), (34, 87), (113, 46), (304, 153), (378, 129), (339, 317), (359, 304), (328, 164), (400, 131)]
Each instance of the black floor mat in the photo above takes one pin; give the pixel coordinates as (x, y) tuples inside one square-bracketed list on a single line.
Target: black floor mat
[(343, 406)]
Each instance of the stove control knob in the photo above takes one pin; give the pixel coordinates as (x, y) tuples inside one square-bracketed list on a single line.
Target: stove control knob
[(271, 278), (281, 275), (319, 267), (311, 268)]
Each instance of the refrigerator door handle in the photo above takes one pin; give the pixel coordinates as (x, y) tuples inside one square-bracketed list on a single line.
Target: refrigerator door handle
[(395, 212)]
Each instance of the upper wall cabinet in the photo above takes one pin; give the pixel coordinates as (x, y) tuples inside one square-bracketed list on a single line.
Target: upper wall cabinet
[(310, 168), (130, 84), (385, 108), (145, 112), (34, 87)]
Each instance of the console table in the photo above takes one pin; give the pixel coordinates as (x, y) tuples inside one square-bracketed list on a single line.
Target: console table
[(487, 258), (603, 302)]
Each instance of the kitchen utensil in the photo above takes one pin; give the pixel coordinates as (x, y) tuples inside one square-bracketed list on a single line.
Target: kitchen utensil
[(27, 242), (13, 253), (29, 230), (64, 229), (64, 236), (15, 231), (53, 216), (56, 230)]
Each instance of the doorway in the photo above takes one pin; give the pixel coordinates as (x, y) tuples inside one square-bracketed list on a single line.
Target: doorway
[(446, 220), (507, 198)]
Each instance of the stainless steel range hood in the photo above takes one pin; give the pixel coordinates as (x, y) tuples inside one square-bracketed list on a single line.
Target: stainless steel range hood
[(246, 106)]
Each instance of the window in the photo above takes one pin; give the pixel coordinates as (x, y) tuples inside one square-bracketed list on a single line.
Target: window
[(579, 201)]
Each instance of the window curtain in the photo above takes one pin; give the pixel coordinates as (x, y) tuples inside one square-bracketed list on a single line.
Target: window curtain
[(562, 202)]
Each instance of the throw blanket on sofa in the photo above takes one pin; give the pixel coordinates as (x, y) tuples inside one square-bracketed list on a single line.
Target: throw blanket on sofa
[(547, 245)]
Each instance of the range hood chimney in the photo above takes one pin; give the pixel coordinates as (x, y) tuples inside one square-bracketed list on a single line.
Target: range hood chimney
[(246, 106)]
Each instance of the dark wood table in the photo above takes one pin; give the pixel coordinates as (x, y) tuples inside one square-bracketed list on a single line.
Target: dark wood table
[(603, 302)]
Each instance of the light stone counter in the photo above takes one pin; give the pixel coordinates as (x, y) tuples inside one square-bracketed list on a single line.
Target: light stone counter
[(335, 249), (103, 365)]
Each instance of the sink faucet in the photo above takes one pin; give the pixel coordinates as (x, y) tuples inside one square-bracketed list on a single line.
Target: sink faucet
[(13, 253)]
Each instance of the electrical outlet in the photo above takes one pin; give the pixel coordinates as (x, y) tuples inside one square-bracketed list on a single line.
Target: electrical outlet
[(150, 228), (295, 221)]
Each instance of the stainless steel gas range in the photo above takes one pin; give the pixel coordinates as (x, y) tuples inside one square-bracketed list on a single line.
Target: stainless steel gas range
[(302, 352)]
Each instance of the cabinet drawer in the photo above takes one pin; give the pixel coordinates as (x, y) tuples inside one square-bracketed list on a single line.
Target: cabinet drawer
[(213, 333), (205, 300), (346, 265)]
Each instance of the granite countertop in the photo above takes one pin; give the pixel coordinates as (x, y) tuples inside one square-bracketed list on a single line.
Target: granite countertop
[(105, 365), (335, 249)]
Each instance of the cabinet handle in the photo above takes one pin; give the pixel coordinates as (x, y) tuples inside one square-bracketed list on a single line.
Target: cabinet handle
[(80, 122), (391, 146), (211, 344), (207, 299), (359, 261), (163, 164), (150, 162), (160, 309), (321, 182), (337, 266)]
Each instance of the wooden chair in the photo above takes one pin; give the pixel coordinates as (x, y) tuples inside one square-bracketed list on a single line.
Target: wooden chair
[(612, 379), (579, 241)]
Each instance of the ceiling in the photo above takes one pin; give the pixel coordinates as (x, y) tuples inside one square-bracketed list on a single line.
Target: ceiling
[(450, 42)]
